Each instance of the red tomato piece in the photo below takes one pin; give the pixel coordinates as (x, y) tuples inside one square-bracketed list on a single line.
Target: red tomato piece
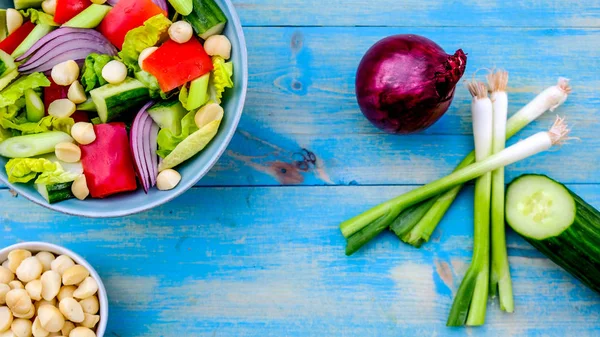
[(125, 16), (67, 9), (107, 162), (14, 40), (80, 116), (54, 92), (174, 64)]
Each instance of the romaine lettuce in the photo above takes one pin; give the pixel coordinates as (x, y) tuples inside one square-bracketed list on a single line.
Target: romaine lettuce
[(220, 78), (150, 34), (167, 141), (38, 17), (92, 71), (13, 92)]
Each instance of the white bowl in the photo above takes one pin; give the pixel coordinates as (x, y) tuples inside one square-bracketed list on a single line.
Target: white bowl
[(35, 247)]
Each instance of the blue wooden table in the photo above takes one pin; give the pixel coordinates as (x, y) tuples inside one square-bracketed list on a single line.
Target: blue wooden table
[(254, 249)]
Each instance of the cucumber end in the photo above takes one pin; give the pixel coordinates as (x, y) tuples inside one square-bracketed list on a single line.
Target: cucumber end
[(538, 207)]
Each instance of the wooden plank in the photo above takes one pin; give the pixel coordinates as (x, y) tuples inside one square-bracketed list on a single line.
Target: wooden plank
[(262, 261), (322, 116), (477, 13), (300, 82)]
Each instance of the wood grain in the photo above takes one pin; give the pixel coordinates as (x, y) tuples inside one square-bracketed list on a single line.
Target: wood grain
[(279, 121), (271, 263), (419, 13), (242, 255)]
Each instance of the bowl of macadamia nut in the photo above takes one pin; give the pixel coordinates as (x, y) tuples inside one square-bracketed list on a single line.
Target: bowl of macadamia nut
[(47, 290)]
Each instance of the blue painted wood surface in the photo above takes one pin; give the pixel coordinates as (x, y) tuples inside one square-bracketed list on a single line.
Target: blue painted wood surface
[(254, 249)]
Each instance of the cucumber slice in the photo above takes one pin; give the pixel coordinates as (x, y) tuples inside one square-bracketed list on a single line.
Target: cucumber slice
[(558, 223), (168, 115), (113, 99), (206, 18), (32, 145), (55, 192), (89, 17), (539, 207)]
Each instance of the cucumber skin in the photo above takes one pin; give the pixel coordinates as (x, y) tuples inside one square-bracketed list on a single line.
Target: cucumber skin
[(205, 15), (577, 248), (59, 192), (119, 102)]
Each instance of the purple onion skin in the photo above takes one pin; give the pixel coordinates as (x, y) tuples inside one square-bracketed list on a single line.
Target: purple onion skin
[(405, 83)]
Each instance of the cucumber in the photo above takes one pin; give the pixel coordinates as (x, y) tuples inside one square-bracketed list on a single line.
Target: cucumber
[(558, 223), (168, 115), (206, 18), (7, 64), (89, 17), (32, 145), (8, 78), (113, 99), (55, 192), (37, 33)]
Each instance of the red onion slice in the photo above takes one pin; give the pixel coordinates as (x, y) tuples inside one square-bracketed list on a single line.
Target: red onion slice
[(64, 31), (49, 63), (140, 142), (62, 44), (153, 168)]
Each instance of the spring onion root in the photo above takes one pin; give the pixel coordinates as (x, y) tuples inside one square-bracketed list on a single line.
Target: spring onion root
[(500, 281), (548, 100)]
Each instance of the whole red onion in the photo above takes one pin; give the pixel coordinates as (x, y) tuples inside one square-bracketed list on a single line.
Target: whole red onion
[(405, 83)]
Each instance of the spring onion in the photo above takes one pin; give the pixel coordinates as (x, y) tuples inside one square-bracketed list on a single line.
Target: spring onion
[(500, 282), (534, 144), (34, 106), (548, 100), (471, 299)]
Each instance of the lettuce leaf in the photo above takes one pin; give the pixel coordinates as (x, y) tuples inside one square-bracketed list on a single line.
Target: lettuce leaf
[(152, 84), (57, 176), (151, 33), (9, 119), (38, 17), (23, 170), (167, 141), (220, 78), (92, 71), (190, 146), (13, 92)]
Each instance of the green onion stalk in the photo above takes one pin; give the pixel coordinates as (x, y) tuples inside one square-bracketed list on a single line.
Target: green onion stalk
[(470, 303), (500, 281), (418, 230)]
